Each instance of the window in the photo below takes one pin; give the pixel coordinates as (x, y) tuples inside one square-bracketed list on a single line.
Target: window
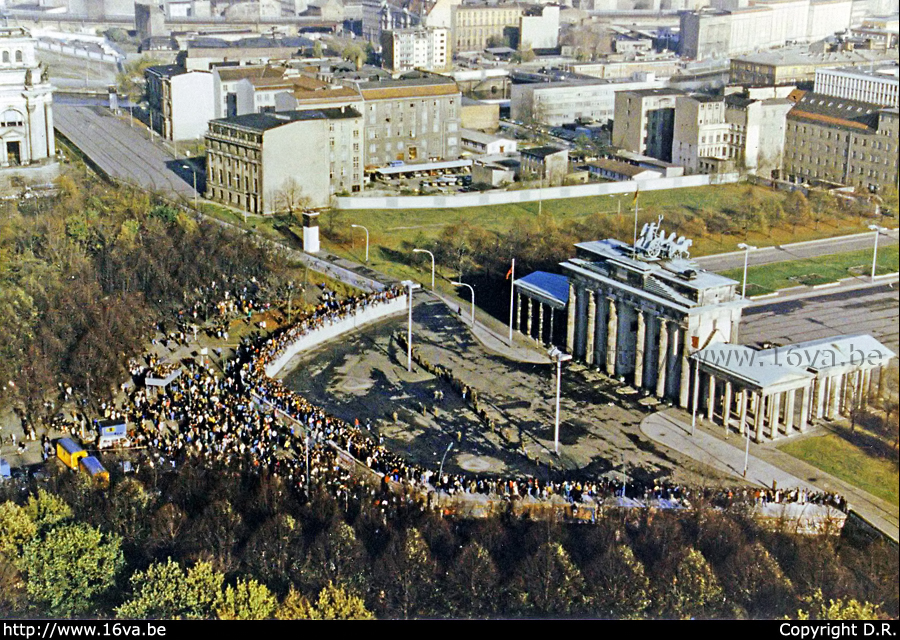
[(6, 56), (18, 56)]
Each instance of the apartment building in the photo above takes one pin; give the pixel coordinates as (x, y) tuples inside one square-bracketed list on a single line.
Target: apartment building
[(797, 65), (644, 121), (412, 119), (476, 24), (421, 48), (181, 102), (256, 162), (225, 84), (841, 141)]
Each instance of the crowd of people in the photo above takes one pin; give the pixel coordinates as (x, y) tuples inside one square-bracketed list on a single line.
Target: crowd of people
[(249, 421)]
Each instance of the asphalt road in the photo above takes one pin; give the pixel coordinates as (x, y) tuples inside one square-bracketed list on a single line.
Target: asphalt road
[(872, 310), (122, 152), (797, 251)]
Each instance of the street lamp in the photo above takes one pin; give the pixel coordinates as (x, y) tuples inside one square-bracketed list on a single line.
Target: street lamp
[(441, 472), (194, 173), (359, 226), (747, 249), (877, 230), (410, 286), (463, 284), (559, 357), (432, 263)]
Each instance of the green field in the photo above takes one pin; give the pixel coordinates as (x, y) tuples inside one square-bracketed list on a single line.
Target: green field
[(832, 454), (781, 275)]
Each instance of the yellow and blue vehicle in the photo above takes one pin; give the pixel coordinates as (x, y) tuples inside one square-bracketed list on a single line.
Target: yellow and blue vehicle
[(69, 452), (98, 473)]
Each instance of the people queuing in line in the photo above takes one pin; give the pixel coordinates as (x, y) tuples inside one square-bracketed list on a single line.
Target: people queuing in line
[(230, 420)]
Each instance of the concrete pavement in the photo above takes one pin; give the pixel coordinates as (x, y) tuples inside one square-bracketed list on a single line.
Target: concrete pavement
[(797, 250), (768, 464)]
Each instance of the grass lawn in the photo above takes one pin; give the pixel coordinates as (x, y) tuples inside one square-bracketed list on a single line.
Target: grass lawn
[(812, 271), (854, 465)]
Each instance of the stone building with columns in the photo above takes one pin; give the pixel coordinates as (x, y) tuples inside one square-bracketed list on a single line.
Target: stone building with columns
[(26, 102), (777, 392), (637, 313)]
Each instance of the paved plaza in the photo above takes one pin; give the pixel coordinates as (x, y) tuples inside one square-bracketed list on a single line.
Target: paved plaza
[(364, 377)]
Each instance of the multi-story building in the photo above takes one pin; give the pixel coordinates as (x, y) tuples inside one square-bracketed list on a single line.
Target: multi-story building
[(26, 102), (798, 65), (474, 25), (757, 127), (644, 122), (181, 102), (201, 54), (253, 162), (548, 164), (225, 84), (539, 27), (701, 131), (559, 103), (840, 141), (723, 32), (412, 119), (408, 49), (875, 86)]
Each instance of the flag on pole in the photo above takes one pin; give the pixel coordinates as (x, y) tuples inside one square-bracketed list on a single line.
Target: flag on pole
[(509, 273), (634, 201)]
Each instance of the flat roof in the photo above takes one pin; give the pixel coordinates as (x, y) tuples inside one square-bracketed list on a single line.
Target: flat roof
[(424, 166), (623, 168), (267, 121), (541, 152), (483, 138), (551, 287)]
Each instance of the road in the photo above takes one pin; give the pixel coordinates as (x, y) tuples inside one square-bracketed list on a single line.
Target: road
[(122, 152), (797, 251), (871, 310)]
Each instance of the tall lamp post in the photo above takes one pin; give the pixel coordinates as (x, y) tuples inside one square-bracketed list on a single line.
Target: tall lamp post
[(463, 284), (444, 457), (747, 249), (359, 226), (877, 229), (194, 173), (559, 357), (432, 263), (410, 286)]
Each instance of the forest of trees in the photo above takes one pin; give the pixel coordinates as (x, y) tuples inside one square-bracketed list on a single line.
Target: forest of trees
[(86, 275), (200, 543)]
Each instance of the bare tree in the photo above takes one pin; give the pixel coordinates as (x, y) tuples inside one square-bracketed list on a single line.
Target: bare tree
[(290, 198)]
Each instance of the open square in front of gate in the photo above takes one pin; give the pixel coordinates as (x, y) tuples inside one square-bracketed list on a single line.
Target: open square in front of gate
[(505, 424)]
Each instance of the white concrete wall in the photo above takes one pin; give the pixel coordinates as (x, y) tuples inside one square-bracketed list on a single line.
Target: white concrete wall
[(193, 104), (530, 195), (372, 313)]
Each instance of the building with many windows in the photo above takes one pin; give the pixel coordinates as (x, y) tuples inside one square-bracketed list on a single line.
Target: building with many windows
[(409, 49), (876, 86), (413, 119), (26, 102), (644, 121), (181, 102), (478, 26), (840, 141), (255, 162)]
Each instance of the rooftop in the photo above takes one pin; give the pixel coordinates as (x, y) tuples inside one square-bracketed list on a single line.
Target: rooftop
[(266, 121), (229, 74), (541, 152), (840, 112), (408, 88), (801, 55), (621, 168)]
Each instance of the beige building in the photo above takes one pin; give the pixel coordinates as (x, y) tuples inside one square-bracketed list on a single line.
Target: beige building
[(424, 48), (474, 25), (645, 120), (256, 163), (181, 102), (550, 165), (412, 120), (797, 65), (227, 78), (842, 142), (26, 102), (482, 116)]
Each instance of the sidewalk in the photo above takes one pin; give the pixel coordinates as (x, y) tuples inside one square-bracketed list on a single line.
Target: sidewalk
[(672, 428)]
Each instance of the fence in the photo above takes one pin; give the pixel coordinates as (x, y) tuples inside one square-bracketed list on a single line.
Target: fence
[(531, 195)]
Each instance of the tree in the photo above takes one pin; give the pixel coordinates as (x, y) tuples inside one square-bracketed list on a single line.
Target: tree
[(130, 81), (45, 509), (797, 209), (405, 574), (353, 53), (549, 583), (693, 590), (840, 609), (753, 580), (618, 584), (290, 198), (16, 528), (69, 568), (472, 583), (166, 590), (318, 50), (333, 603), (336, 556), (247, 600)]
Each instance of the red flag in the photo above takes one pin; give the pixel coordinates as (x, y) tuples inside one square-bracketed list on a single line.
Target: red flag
[(509, 273)]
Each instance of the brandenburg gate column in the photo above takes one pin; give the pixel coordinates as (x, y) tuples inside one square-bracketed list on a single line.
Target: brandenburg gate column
[(726, 406), (789, 411), (685, 371), (612, 331), (663, 357), (540, 335), (742, 411), (528, 317), (591, 327), (570, 320), (758, 415), (804, 409), (711, 398), (518, 309), (639, 350)]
